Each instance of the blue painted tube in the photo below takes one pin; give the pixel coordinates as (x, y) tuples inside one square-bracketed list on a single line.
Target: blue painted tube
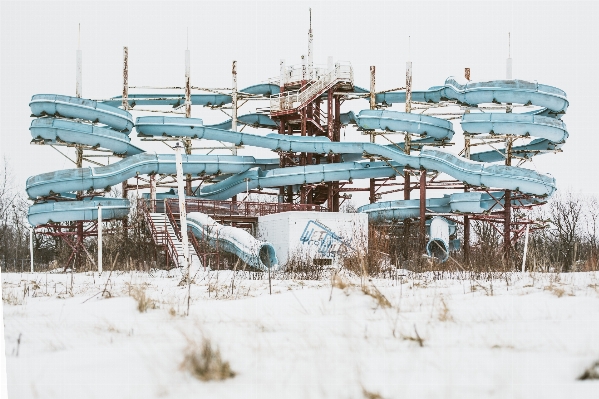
[(394, 121), (255, 120), (474, 173), (89, 110), (51, 130), (474, 93), (258, 254), (87, 209), (175, 100), (145, 163), (544, 127)]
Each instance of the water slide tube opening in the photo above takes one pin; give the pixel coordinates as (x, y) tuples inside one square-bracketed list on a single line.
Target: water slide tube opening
[(268, 256), (438, 248)]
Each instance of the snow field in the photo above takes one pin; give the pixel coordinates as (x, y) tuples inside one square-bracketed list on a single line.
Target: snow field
[(418, 336)]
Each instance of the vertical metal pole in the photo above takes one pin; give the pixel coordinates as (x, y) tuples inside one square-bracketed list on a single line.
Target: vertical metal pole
[(234, 102), (310, 50), (125, 78), (79, 148), (508, 66), (153, 193), (372, 136), (283, 73), (183, 217), (466, 216), (79, 74), (187, 84), (31, 247), (508, 70), (525, 248), (100, 227), (407, 137), (304, 71), (234, 110), (507, 206), (422, 209)]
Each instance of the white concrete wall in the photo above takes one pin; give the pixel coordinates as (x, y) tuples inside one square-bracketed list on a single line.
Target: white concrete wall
[(317, 235)]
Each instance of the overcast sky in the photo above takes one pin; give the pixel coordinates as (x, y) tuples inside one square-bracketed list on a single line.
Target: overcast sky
[(552, 43)]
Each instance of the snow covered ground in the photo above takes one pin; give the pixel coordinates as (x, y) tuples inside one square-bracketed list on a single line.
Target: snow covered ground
[(417, 336)]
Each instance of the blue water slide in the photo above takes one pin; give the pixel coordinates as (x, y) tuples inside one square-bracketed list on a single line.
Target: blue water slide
[(79, 108), (258, 254), (468, 202), (86, 209), (209, 99), (103, 177), (550, 133), (495, 91), (474, 173), (254, 120), (50, 130)]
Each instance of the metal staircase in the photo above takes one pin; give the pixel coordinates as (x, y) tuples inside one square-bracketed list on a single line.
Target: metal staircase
[(165, 236), (164, 228), (291, 101)]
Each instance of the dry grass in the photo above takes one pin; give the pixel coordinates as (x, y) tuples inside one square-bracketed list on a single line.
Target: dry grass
[(415, 338), (444, 313), (592, 373), (339, 282), (371, 395), (143, 301), (10, 297), (204, 361), (374, 292)]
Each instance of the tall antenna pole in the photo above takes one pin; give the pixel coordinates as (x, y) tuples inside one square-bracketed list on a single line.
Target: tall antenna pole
[(234, 100), (187, 84), (79, 72), (508, 72), (125, 78), (407, 137), (310, 51)]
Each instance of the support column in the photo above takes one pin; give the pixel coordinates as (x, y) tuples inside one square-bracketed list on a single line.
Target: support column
[(507, 206), (407, 138), (125, 104), (100, 243), (153, 193), (466, 216), (422, 229), (372, 197)]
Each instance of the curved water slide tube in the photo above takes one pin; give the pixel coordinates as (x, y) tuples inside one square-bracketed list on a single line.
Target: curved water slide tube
[(543, 123), (471, 172), (258, 254), (176, 100)]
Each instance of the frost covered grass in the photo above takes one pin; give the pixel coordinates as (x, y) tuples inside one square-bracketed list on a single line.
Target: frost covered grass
[(427, 335)]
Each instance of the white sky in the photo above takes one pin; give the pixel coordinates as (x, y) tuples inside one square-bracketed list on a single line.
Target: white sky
[(551, 43)]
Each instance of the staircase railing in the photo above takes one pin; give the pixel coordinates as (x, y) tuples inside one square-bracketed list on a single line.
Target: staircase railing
[(296, 99), (160, 237)]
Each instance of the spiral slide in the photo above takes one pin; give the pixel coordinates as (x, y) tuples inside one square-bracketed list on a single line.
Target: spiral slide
[(63, 119)]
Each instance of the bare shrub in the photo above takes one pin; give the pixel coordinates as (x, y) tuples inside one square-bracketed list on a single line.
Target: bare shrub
[(592, 373), (370, 395), (300, 266), (204, 361), (144, 302)]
